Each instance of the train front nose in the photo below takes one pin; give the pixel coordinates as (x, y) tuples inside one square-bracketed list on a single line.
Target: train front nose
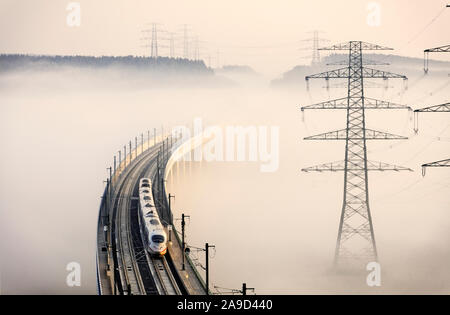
[(158, 244), (159, 249)]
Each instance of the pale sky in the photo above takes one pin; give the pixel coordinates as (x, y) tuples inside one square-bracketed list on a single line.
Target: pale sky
[(261, 33)]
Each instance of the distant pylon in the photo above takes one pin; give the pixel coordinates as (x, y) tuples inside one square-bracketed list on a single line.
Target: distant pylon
[(218, 59), (185, 42), (356, 239), (316, 40), (171, 45), (196, 49), (316, 54), (154, 43)]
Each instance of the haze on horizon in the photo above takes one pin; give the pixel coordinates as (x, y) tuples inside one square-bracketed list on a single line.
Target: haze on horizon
[(265, 35)]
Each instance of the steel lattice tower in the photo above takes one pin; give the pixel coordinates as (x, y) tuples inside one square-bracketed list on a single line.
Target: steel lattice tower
[(316, 54), (185, 42), (356, 239), (316, 40), (171, 45), (154, 43), (196, 49)]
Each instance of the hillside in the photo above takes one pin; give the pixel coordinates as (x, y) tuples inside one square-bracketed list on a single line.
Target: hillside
[(16, 62), (408, 66)]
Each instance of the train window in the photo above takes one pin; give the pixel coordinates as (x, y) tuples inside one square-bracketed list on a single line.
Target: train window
[(148, 205), (146, 198), (158, 238), (145, 191), (145, 185), (154, 222)]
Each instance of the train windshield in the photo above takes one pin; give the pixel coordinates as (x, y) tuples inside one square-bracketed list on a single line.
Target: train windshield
[(158, 238)]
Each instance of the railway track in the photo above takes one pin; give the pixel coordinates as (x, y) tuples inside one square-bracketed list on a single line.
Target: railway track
[(137, 273), (130, 275), (167, 282), (127, 271)]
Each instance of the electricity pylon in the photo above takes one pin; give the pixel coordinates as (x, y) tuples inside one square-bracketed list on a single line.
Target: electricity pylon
[(316, 40), (315, 53), (426, 53), (442, 108), (356, 239), (169, 38), (185, 42), (171, 45), (153, 40)]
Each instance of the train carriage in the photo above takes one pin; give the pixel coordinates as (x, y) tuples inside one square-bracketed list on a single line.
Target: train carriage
[(152, 230)]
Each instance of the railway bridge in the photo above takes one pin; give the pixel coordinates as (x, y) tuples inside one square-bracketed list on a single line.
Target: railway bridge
[(123, 265)]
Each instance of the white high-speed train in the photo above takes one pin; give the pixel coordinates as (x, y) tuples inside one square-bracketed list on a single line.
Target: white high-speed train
[(152, 231)]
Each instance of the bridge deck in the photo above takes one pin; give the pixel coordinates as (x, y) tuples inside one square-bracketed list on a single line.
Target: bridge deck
[(189, 276), (104, 287)]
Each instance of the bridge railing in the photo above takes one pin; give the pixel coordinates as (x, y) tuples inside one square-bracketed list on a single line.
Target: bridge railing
[(107, 202), (131, 156), (181, 153)]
